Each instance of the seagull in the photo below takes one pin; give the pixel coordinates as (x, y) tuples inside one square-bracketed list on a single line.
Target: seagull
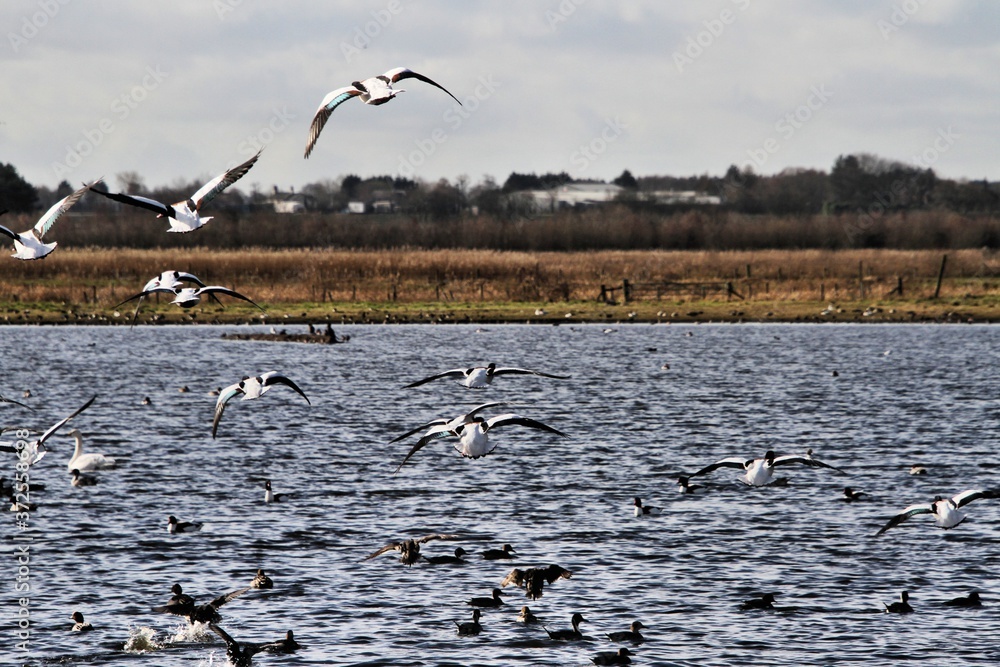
[(186, 297), (261, 580), (80, 625), (641, 510), (478, 377), (185, 216), (89, 461), (620, 657), (945, 510), (184, 605), (900, 607), (765, 601), (493, 601), (409, 549), (630, 635), (533, 579), (567, 635), (760, 472), (472, 628), (376, 90), (81, 480), (175, 526), (473, 436), (251, 388), (270, 496), (35, 450), (29, 244)]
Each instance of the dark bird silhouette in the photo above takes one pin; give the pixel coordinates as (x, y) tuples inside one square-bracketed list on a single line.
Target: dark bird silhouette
[(181, 604), (630, 635), (568, 635), (765, 601), (471, 628), (409, 549), (533, 579)]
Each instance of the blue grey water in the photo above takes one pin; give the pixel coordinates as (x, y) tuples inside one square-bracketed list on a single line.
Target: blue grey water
[(903, 395)]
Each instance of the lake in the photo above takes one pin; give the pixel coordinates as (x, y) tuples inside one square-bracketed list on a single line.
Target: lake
[(902, 395)]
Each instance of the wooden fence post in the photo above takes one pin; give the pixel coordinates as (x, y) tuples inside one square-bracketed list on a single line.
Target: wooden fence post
[(626, 291), (937, 290)]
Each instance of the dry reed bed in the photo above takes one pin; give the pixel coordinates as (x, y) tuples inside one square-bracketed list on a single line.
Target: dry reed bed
[(78, 276)]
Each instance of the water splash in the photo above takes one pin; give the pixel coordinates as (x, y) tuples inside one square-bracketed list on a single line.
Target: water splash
[(141, 639)]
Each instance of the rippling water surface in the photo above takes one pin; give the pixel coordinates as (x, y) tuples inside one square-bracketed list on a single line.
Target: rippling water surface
[(904, 395)]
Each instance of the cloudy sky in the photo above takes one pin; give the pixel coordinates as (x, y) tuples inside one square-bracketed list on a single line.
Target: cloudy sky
[(180, 90)]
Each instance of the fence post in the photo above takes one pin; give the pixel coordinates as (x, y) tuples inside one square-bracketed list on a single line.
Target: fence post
[(626, 291), (937, 290)]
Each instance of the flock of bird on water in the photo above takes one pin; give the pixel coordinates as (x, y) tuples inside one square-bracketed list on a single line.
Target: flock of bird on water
[(470, 432)]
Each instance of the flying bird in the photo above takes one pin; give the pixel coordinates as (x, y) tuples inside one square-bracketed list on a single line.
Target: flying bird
[(945, 510), (251, 388), (185, 216), (478, 377), (167, 281), (439, 428), (181, 604), (533, 579), (376, 90), (186, 297), (240, 654), (409, 549), (760, 472), (35, 450), (29, 244)]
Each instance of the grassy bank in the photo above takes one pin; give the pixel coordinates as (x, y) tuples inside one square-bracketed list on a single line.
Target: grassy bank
[(470, 285)]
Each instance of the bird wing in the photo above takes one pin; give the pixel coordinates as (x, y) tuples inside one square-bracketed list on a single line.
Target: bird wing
[(378, 552), (526, 371), (435, 432), (58, 425), (512, 419), (220, 403), (906, 514), (515, 577), (332, 100), (145, 293), (273, 377), (11, 400), (225, 635), (181, 276), (479, 408), (455, 372), (805, 460), (141, 202), (400, 73), (422, 427), (554, 572), (59, 209), (212, 289), (965, 497), (7, 232), (731, 462), (228, 597), (436, 536), (210, 190)]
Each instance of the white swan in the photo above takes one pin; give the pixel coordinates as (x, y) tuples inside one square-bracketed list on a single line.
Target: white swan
[(185, 216), (376, 90), (29, 244), (85, 462)]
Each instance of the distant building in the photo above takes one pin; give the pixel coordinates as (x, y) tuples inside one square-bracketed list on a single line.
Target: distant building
[(380, 201), (291, 201), (570, 195), (682, 197)]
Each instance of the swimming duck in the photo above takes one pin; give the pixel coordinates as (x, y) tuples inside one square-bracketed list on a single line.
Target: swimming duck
[(526, 616), (89, 461), (918, 470), (489, 602), (36, 449), (79, 625), (79, 479), (533, 579), (471, 628), (286, 645), (945, 510), (850, 495), (26, 393), (900, 607), (261, 580), (184, 605), (619, 657), (270, 496), (684, 486), (760, 472), (568, 635), (374, 91), (29, 245), (146, 400), (252, 388), (642, 510), (479, 377), (630, 635), (506, 552), (185, 216), (447, 560), (765, 601), (970, 600), (175, 526), (409, 549)]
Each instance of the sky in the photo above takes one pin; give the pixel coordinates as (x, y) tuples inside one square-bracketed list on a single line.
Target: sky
[(180, 91)]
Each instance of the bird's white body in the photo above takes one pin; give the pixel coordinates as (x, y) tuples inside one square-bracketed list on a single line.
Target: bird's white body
[(947, 511), (87, 461), (29, 245), (474, 441), (760, 472), (171, 280)]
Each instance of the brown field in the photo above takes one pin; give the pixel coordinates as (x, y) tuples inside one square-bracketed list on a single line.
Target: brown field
[(480, 285)]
